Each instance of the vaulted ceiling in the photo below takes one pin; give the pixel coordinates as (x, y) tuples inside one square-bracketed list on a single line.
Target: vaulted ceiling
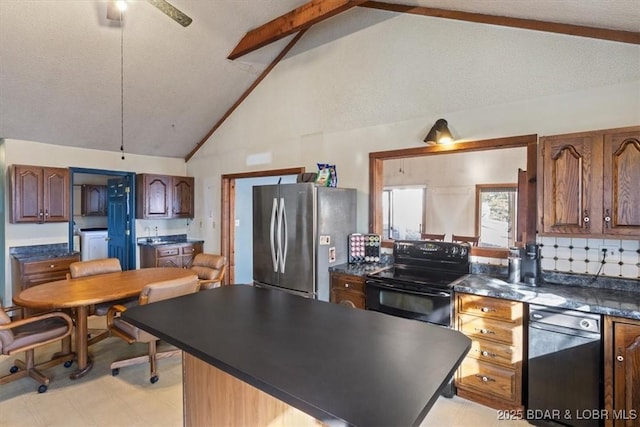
[(69, 76)]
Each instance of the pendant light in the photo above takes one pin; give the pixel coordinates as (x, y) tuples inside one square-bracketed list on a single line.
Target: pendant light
[(121, 7)]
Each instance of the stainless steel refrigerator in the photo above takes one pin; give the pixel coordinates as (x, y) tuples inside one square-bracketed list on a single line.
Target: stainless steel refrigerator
[(299, 231)]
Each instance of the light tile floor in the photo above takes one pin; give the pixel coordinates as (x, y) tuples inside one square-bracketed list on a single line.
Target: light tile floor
[(129, 399)]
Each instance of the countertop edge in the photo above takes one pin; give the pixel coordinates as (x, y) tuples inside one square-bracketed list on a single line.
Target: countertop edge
[(610, 302)]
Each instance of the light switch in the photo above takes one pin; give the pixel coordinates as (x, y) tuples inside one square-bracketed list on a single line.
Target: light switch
[(237, 223)]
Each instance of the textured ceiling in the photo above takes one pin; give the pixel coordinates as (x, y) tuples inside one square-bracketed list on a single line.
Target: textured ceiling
[(60, 64)]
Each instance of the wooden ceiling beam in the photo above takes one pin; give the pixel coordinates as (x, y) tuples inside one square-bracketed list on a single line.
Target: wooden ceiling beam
[(246, 93), (298, 19), (529, 24)]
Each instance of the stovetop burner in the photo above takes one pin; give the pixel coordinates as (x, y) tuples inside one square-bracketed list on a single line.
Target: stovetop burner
[(432, 278), (420, 263)]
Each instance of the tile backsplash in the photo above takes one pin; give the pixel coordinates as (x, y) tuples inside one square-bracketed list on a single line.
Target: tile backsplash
[(583, 255)]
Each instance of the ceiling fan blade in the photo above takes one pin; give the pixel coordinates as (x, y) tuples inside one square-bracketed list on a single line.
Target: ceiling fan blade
[(171, 12)]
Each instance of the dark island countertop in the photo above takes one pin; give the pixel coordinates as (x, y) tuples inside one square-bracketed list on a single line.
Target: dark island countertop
[(581, 295), (335, 363)]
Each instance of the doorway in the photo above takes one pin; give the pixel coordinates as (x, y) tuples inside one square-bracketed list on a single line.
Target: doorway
[(117, 221), (230, 197)]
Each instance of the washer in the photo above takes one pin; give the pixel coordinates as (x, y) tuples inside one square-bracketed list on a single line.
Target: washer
[(94, 243)]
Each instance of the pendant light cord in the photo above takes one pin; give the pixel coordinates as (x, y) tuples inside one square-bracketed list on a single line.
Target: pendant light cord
[(122, 84)]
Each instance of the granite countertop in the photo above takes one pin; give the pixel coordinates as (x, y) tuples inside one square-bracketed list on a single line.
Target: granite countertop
[(577, 292), (166, 240), (42, 252), (380, 371), (361, 269)]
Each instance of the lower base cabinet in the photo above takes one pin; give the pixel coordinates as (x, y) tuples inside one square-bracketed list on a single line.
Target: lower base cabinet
[(347, 290), (179, 255), (491, 374), (622, 372)]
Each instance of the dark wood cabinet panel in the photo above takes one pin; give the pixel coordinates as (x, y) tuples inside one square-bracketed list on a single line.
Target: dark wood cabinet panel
[(164, 196), (26, 273), (347, 290), (94, 200), (39, 194), (622, 372), (588, 182), (178, 255), (183, 193), (621, 177)]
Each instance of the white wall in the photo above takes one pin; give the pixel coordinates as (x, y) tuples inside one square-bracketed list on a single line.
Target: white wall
[(34, 153), (355, 85)]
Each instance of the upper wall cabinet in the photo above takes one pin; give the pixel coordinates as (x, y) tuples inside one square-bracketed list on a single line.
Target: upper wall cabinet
[(163, 196), (589, 183), (94, 200), (39, 194)]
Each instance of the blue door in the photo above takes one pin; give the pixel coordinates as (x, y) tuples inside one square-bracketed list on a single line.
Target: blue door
[(119, 220)]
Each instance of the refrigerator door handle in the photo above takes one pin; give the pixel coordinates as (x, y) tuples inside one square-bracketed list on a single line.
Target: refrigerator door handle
[(274, 256), (283, 250)]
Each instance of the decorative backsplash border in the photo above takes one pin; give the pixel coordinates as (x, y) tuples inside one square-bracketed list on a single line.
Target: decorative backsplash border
[(582, 255)]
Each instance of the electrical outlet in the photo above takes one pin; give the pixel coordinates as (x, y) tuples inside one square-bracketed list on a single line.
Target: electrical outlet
[(609, 251)]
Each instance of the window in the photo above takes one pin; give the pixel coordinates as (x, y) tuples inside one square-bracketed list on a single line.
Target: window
[(403, 212), (496, 214)]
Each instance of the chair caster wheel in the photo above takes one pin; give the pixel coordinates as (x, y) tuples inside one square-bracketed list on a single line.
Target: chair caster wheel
[(115, 372), (13, 369), (154, 379), (42, 388), (68, 363)]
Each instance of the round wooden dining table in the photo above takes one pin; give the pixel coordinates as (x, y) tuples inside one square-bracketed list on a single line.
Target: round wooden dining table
[(82, 292)]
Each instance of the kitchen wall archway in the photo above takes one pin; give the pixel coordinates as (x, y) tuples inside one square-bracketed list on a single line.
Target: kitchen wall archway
[(526, 189), (228, 215), (119, 218)]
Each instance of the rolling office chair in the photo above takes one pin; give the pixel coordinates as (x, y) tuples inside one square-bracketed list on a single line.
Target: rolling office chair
[(25, 335), (210, 270), (151, 293)]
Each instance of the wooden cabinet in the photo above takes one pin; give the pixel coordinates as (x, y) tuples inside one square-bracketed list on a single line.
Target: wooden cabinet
[(491, 374), (622, 372), (28, 272), (178, 255), (164, 196), (347, 290), (94, 200), (588, 183), (39, 194)]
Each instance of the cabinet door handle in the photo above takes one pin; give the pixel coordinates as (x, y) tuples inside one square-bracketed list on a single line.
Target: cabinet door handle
[(484, 378), (586, 218), (607, 219), (619, 358), (346, 285)]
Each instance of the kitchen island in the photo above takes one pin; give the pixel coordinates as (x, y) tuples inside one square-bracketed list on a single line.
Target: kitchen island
[(252, 356)]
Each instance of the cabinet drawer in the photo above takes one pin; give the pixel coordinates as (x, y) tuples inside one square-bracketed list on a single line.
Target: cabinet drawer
[(348, 298), (56, 264), (188, 249), (169, 262), (489, 307), (493, 352), (489, 329), (487, 378), (353, 283), (168, 251)]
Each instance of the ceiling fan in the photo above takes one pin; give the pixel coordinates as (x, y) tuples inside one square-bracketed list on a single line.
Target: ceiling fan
[(114, 11)]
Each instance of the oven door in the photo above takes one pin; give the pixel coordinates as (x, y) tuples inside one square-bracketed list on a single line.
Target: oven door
[(432, 305)]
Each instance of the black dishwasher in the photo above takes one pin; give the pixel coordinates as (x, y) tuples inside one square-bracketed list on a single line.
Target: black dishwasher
[(565, 368)]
